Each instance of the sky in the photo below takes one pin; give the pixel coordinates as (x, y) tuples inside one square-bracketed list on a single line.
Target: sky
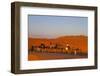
[(43, 26)]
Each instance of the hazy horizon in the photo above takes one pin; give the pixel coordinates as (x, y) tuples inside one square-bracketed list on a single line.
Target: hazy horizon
[(40, 26), (58, 37)]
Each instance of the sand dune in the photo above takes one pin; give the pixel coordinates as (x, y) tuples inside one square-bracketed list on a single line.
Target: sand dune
[(80, 42)]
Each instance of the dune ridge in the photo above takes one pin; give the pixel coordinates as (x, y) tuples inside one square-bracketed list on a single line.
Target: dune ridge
[(77, 41)]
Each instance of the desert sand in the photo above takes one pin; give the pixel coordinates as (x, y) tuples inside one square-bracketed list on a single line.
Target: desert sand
[(80, 42)]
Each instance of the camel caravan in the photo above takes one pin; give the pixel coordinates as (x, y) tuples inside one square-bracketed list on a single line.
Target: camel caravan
[(55, 48)]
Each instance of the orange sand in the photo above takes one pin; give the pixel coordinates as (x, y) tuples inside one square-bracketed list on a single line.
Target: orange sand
[(80, 42)]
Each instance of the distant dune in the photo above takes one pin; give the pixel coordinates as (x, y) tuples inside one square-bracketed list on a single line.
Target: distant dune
[(80, 42)]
